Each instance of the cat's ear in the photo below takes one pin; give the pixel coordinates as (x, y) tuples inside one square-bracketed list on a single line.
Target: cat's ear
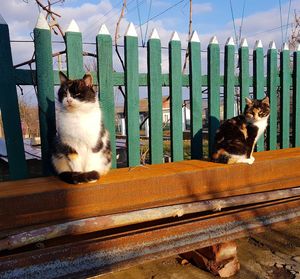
[(88, 80), (248, 101), (62, 77), (266, 100)]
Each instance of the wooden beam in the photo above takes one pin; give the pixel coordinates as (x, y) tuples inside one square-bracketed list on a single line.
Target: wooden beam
[(42, 200)]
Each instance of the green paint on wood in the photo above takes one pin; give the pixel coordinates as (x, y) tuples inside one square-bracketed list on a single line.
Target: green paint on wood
[(176, 100), (258, 76), (9, 109), (25, 77), (229, 79), (46, 100), (132, 102), (74, 55), (106, 89), (296, 100), (272, 85), (244, 75), (285, 98), (196, 100), (213, 93), (155, 101)]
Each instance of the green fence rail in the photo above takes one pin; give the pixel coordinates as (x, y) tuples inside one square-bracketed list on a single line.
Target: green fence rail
[(280, 81)]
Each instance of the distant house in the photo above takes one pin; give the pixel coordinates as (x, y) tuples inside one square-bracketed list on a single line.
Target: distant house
[(143, 109)]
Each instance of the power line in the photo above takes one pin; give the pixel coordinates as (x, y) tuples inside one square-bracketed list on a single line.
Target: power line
[(149, 12), (233, 22), (128, 12), (281, 20), (97, 20), (96, 23), (269, 30), (288, 18), (242, 23), (139, 15), (164, 11)]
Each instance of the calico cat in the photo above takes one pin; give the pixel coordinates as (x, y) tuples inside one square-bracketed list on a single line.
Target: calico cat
[(82, 148), (236, 138)]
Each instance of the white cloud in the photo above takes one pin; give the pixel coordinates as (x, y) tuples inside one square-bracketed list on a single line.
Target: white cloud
[(202, 8)]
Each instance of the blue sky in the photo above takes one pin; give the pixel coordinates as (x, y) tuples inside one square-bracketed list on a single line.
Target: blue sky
[(209, 16)]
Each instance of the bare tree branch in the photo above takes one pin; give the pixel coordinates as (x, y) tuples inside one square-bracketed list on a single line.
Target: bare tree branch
[(294, 39), (32, 60), (117, 33), (47, 8), (53, 23)]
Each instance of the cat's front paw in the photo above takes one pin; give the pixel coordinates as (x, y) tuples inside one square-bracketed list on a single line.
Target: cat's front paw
[(91, 176), (251, 160)]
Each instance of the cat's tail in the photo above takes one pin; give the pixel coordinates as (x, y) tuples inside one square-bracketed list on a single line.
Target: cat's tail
[(79, 177), (221, 156)]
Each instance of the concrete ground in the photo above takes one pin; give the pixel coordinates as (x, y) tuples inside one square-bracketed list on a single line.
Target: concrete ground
[(274, 254)]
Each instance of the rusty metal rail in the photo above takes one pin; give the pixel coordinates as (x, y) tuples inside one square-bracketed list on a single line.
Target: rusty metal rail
[(94, 224), (124, 249)]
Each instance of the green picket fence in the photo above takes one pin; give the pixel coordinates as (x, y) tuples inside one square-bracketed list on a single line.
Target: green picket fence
[(280, 78)]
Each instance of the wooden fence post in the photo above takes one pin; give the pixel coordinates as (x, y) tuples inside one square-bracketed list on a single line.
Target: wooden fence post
[(213, 73), (10, 108), (45, 87), (176, 97), (285, 76), (229, 79), (155, 98), (272, 81), (105, 88), (244, 73), (258, 82), (195, 96), (132, 96), (74, 51), (296, 98)]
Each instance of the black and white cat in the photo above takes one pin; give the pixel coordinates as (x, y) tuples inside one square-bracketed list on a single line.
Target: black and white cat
[(236, 138), (82, 148)]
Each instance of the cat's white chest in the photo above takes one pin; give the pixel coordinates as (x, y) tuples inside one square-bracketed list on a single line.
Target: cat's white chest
[(79, 128), (261, 125)]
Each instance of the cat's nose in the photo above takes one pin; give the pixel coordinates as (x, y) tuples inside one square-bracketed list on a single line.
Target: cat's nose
[(69, 101)]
